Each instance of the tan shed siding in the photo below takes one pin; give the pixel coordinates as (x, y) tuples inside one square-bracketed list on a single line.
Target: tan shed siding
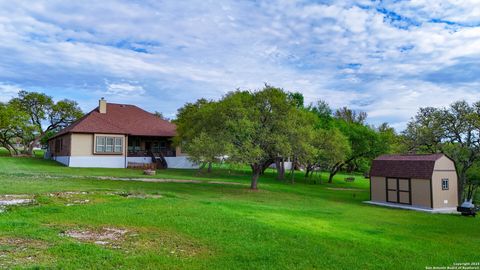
[(444, 198), (443, 164), (82, 144), (378, 189), (421, 192)]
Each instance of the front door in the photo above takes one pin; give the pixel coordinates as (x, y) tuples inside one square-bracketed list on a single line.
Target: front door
[(398, 190)]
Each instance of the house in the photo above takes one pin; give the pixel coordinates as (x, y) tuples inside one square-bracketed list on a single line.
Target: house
[(116, 135), (418, 182)]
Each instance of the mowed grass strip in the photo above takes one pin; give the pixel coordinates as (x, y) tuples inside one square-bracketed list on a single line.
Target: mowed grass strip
[(215, 226)]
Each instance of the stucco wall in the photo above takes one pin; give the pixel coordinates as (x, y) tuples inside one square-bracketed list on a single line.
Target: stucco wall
[(98, 161), (421, 192), (378, 189), (65, 160), (139, 159), (178, 152), (82, 144)]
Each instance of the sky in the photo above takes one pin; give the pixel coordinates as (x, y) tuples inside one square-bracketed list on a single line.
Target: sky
[(387, 58)]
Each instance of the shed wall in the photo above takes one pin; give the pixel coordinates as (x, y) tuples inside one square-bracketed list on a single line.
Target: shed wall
[(445, 198), (377, 186), (421, 193)]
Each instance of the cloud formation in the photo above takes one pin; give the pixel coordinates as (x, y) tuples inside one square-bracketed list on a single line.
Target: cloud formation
[(387, 58)]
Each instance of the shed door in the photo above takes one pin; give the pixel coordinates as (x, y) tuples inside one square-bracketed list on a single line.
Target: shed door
[(398, 190)]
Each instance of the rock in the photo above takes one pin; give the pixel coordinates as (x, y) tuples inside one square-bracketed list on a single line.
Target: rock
[(149, 172)]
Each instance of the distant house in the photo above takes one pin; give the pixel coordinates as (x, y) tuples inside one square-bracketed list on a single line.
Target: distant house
[(419, 182), (114, 136)]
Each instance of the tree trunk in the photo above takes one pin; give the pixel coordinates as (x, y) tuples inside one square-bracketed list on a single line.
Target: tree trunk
[(209, 170), (292, 170), (256, 169), (334, 171), (264, 166), (32, 145), (13, 150), (280, 164), (308, 170)]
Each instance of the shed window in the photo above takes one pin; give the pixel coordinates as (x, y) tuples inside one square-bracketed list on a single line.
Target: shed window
[(108, 144), (445, 184)]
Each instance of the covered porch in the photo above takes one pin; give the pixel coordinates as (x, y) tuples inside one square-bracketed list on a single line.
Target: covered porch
[(149, 151), (147, 146)]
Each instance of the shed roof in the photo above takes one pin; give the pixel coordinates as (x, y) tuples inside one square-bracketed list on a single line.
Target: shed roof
[(405, 166), (121, 119)]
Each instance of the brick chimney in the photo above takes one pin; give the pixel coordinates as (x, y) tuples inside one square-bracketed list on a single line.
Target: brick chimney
[(102, 105)]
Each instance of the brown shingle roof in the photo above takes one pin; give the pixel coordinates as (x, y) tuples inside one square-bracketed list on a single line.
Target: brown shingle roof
[(122, 119), (404, 166)]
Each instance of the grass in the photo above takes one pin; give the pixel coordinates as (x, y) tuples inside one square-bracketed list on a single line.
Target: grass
[(217, 226)]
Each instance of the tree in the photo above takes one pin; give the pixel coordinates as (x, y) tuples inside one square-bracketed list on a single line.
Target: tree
[(296, 98), (473, 182), (201, 133), (252, 128), (41, 109), (258, 128), (300, 136), (364, 143), (331, 146), (324, 113), (160, 115), (453, 131), (393, 142), (13, 124), (351, 116)]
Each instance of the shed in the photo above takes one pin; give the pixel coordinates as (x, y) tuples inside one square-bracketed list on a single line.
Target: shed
[(418, 182)]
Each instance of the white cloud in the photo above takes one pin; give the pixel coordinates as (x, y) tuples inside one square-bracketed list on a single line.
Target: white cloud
[(124, 89), (7, 91), (350, 53)]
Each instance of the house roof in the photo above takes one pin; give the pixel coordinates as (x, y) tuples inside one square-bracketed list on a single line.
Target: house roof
[(121, 119), (405, 166)]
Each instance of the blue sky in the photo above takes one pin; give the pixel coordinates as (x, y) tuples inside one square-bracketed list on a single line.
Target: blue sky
[(387, 58)]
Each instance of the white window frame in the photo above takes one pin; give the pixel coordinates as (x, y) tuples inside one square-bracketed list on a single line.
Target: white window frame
[(445, 184), (105, 144)]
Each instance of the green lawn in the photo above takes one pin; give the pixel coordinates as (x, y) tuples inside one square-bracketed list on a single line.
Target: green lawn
[(216, 226)]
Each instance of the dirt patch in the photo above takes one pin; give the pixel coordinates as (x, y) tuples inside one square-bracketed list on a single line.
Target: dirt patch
[(137, 195), (15, 252), (111, 237), (14, 200), (70, 198)]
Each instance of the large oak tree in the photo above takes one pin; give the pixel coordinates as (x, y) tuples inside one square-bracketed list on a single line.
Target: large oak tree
[(44, 114), (454, 131)]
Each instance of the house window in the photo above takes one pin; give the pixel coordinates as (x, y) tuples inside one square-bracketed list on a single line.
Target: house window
[(445, 184), (108, 144)]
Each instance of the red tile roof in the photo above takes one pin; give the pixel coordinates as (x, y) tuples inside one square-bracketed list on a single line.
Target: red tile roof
[(405, 166), (122, 119)]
